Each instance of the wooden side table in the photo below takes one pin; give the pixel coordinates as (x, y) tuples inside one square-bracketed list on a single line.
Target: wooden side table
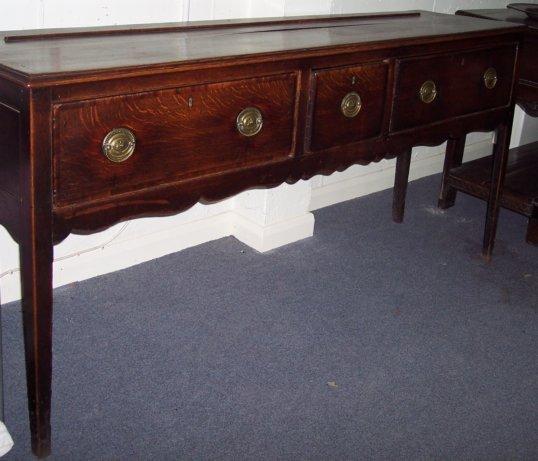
[(520, 190)]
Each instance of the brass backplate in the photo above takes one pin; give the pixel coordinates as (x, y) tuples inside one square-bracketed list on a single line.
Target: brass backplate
[(490, 78), (119, 145), (351, 104), (249, 121), (428, 91)]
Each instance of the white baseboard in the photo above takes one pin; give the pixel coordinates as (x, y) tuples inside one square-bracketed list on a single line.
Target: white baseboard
[(265, 238), (360, 185), (126, 253), (129, 252)]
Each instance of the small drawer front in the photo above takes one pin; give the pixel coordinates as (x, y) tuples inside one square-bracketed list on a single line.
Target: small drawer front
[(349, 105), (440, 87), (110, 146)]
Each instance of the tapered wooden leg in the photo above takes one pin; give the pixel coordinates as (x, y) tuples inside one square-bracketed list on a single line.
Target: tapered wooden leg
[(36, 279), (532, 229), (2, 414), (500, 158), (453, 158), (403, 162), (36, 256)]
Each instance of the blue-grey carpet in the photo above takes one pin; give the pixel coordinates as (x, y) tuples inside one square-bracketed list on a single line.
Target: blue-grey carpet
[(371, 340)]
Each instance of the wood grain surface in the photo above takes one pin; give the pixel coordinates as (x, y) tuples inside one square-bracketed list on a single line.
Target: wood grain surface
[(460, 85), (54, 58), (180, 134), (179, 89), (330, 127)]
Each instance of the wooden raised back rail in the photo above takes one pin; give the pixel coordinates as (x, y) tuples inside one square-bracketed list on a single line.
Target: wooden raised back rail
[(108, 124)]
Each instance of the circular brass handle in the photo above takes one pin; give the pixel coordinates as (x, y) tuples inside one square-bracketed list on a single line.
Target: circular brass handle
[(119, 145), (490, 78), (428, 92), (249, 121), (351, 104)]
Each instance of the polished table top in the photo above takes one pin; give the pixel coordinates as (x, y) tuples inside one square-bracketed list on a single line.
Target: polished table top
[(35, 55), (503, 14)]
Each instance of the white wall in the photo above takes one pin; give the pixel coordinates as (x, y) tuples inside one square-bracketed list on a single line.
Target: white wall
[(262, 219)]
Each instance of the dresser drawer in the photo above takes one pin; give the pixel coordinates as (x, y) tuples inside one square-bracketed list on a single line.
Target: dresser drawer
[(440, 87), (349, 104), (176, 134)]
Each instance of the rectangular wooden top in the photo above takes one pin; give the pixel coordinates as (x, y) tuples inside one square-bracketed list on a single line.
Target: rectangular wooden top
[(502, 14), (50, 55)]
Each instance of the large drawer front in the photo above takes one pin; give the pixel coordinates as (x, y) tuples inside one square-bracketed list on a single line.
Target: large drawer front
[(455, 82), (349, 104), (180, 134)]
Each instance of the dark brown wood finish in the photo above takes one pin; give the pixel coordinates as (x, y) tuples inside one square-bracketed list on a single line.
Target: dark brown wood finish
[(527, 87), (250, 24), (36, 257), (330, 127), (403, 162), (519, 193), (460, 86), (183, 133), (9, 173), (179, 89), (500, 158), (453, 158)]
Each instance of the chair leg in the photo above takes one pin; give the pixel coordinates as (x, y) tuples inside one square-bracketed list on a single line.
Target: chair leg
[(403, 162), (453, 159), (500, 159)]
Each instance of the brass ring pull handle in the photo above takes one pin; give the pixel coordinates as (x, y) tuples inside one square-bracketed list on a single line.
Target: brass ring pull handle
[(351, 104), (490, 78), (249, 121), (119, 145), (428, 92)]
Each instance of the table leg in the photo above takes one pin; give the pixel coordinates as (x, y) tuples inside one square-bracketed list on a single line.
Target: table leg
[(453, 158), (36, 256), (500, 159), (401, 179), (532, 229)]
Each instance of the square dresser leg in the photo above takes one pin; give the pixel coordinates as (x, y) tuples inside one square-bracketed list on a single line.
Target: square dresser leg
[(36, 256), (401, 179), (498, 170), (453, 158), (532, 229)]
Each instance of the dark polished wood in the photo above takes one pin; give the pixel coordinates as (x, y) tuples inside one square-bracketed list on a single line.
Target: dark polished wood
[(453, 158), (403, 162), (181, 134), (500, 158), (331, 86), (519, 193), (36, 257), (179, 89), (527, 85), (520, 190), (459, 81)]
